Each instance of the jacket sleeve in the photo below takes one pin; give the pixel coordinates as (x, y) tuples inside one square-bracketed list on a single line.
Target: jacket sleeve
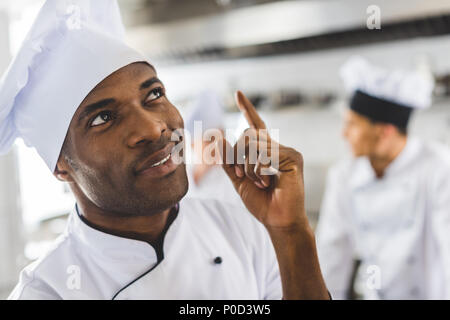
[(440, 223), (261, 253), (30, 288), (334, 241), (265, 263)]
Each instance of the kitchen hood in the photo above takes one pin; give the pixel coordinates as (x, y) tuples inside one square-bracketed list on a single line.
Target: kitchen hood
[(280, 27)]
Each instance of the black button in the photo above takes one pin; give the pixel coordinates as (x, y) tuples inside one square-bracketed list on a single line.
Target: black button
[(218, 260)]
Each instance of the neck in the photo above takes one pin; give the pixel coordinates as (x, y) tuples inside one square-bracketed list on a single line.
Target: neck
[(380, 163), (150, 229)]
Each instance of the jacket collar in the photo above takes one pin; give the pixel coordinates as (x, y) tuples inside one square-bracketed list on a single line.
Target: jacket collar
[(117, 248), (409, 153), (363, 174)]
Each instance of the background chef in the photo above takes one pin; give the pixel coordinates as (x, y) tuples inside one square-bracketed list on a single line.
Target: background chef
[(389, 206)]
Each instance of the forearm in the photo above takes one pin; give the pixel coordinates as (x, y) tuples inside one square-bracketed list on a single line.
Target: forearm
[(298, 262)]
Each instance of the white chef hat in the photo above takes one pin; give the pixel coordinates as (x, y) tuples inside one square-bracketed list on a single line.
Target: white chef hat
[(72, 46), (386, 95), (207, 108)]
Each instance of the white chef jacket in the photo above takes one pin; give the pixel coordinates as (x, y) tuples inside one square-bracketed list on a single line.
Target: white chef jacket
[(399, 225), (112, 267)]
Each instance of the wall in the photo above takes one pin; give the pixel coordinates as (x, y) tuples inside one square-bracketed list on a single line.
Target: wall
[(11, 244), (310, 72)]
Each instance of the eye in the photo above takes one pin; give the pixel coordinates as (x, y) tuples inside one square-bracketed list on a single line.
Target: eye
[(155, 94), (102, 118)]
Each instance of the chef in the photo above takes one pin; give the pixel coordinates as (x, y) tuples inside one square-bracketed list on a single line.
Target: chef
[(206, 177), (388, 206), (98, 115)]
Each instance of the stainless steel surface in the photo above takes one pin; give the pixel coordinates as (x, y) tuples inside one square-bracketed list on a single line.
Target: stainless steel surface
[(272, 22)]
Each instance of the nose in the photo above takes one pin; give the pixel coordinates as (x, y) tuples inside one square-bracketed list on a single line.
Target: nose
[(146, 127)]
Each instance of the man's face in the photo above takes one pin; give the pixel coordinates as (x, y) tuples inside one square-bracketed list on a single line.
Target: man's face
[(362, 135), (118, 141)]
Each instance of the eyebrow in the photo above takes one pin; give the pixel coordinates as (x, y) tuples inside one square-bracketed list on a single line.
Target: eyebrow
[(91, 108), (149, 82)]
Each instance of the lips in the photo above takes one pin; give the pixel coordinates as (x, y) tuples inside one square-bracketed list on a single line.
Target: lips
[(157, 159), (161, 162)]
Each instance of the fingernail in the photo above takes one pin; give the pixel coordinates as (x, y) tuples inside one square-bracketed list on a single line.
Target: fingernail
[(259, 185), (238, 171), (264, 183)]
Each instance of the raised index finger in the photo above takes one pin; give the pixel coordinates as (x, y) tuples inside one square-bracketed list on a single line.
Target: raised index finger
[(249, 111)]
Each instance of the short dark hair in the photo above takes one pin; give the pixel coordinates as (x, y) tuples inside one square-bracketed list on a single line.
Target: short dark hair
[(402, 131)]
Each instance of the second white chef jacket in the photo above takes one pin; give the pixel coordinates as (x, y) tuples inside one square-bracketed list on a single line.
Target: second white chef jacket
[(398, 226)]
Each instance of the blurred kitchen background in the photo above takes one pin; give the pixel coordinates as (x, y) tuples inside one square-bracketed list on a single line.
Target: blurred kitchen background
[(285, 55)]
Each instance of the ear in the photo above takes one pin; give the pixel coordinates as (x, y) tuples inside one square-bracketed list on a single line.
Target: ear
[(62, 171), (389, 130)]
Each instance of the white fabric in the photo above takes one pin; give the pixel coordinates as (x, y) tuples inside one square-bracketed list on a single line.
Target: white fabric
[(202, 231), (215, 184), (408, 88), (72, 46), (400, 224)]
